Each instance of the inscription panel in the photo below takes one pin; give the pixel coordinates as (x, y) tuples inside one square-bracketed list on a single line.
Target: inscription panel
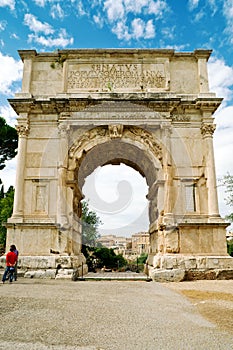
[(114, 77)]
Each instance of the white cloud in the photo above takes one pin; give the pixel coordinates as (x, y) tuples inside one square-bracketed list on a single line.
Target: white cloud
[(122, 31), (57, 11), (168, 32), (14, 36), (228, 9), (10, 3), (8, 114), (127, 26), (115, 9), (192, 4), (7, 175), (177, 47), (80, 9), (118, 195), (36, 26), (98, 19), (138, 26), (157, 8), (149, 30), (40, 3), (135, 6), (199, 15), (61, 41), (3, 25), (220, 78), (10, 72), (119, 9), (213, 6), (138, 29), (228, 13)]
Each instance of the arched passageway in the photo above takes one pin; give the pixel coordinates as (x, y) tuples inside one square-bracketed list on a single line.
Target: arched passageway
[(157, 118), (132, 146), (118, 195)]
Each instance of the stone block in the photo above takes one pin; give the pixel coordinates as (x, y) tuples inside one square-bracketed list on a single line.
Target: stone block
[(201, 262), (190, 263), (160, 275)]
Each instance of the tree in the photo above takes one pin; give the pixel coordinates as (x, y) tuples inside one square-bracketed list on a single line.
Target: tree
[(8, 142), (142, 258), (90, 224), (227, 181), (98, 257), (6, 208)]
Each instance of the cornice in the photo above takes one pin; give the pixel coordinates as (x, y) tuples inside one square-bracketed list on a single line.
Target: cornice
[(82, 53), (153, 102)]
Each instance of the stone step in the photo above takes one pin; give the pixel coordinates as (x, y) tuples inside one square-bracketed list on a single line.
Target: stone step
[(115, 276)]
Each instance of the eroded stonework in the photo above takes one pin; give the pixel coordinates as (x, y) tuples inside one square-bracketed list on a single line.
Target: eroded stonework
[(102, 77), (150, 109)]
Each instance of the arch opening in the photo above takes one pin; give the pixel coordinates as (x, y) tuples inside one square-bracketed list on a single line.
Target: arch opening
[(119, 152), (118, 194)]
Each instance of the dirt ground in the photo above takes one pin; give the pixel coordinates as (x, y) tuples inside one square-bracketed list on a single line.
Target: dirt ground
[(112, 315), (213, 299)]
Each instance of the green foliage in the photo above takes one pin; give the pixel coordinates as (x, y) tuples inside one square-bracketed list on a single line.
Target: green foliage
[(98, 257), (90, 224), (142, 258), (6, 208), (227, 181), (230, 248), (8, 142)]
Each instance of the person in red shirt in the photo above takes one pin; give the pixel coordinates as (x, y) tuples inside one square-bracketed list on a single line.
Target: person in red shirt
[(17, 253), (11, 259)]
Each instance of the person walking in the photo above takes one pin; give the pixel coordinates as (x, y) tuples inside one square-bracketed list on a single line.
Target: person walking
[(16, 264), (11, 259)]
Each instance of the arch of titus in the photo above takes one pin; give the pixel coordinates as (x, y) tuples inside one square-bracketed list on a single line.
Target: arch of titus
[(150, 109)]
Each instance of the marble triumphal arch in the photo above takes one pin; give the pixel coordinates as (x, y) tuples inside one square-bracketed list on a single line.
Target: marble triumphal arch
[(150, 109)]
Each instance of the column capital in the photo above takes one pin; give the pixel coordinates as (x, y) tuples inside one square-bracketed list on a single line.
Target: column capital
[(207, 129), (63, 129), (23, 130)]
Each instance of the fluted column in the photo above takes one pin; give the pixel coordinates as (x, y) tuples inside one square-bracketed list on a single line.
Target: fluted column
[(62, 169), (207, 130), (23, 131)]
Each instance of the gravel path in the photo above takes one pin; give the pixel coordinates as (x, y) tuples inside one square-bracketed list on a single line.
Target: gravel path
[(103, 315)]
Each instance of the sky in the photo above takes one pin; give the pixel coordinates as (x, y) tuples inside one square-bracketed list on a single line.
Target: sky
[(183, 25)]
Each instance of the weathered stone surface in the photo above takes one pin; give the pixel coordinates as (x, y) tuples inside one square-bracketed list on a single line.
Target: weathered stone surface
[(174, 261), (205, 274), (160, 275), (150, 109), (50, 274)]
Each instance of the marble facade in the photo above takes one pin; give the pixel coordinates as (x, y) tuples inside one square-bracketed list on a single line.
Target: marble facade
[(150, 109)]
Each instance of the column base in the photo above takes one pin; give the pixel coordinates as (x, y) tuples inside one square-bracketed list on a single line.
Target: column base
[(177, 267)]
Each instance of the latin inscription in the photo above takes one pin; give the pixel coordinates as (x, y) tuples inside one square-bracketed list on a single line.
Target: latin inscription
[(110, 77)]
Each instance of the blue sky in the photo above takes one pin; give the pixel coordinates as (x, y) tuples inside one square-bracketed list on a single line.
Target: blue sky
[(184, 25)]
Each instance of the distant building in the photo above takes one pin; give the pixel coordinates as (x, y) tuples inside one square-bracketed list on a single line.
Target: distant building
[(127, 246), (141, 242)]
